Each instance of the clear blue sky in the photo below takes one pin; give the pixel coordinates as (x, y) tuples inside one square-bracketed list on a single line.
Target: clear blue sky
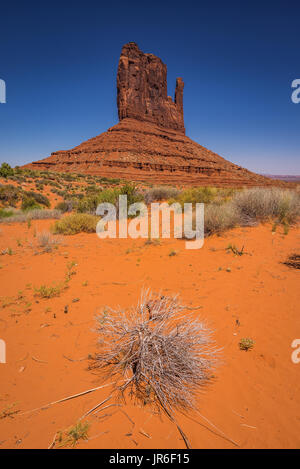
[(238, 59)]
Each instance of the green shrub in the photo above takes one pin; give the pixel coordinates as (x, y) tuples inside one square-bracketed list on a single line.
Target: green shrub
[(76, 223), (29, 203), (10, 194), (89, 204), (5, 213), (49, 292), (65, 206), (204, 195), (109, 180), (246, 343), (71, 436), (6, 170), (109, 195), (39, 198)]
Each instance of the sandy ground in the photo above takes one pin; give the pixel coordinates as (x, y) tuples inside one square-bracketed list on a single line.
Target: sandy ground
[(254, 398)]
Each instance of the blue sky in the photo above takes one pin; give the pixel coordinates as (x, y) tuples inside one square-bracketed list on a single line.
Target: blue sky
[(237, 59)]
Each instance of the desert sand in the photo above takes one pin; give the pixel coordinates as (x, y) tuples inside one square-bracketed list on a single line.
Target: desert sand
[(253, 399)]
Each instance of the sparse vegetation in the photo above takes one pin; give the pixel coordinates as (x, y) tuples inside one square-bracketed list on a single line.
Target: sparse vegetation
[(206, 195), (251, 206), (219, 218), (47, 241), (293, 261), (73, 435), (259, 204), (5, 213), (246, 343), (9, 195), (76, 223), (29, 203), (37, 214), (152, 242), (49, 292), (9, 411), (65, 206), (39, 199), (235, 250), (6, 170), (160, 193)]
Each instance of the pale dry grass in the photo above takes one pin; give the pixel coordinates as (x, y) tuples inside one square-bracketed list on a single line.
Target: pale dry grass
[(260, 204), (160, 352), (47, 241), (36, 214)]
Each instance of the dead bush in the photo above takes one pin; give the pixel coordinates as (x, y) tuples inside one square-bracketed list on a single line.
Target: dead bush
[(158, 352), (47, 241), (260, 204), (160, 193)]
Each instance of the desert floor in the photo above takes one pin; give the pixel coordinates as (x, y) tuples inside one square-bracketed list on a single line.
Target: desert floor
[(254, 397)]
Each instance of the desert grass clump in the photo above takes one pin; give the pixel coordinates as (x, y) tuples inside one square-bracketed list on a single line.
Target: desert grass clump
[(236, 251), (65, 206), (157, 352), (6, 213), (260, 204), (76, 223), (160, 193), (46, 241), (9, 411), (43, 214), (49, 292), (73, 435), (36, 214), (219, 218), (196, 195), (246, 344)]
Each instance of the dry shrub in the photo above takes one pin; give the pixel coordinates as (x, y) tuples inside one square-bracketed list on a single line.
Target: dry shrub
[(47, 241), (160, 193), (263, 204), (36, 214), (219, 218), (249, 207), (293, 261), (158, 351), (77, 223)]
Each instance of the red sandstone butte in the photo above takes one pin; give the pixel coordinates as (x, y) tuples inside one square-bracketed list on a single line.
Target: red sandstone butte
[(149, 142), (142, 90)]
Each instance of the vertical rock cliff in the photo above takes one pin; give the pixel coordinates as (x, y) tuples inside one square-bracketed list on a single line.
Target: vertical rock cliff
[(142, 90)]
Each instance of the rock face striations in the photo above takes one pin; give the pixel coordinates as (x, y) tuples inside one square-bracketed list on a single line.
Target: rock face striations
[(149, 142), (142, 90)]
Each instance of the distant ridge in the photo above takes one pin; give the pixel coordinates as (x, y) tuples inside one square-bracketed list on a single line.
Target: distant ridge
[(286, 178)]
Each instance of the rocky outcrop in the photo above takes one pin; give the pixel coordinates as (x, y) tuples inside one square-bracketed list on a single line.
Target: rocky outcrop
[(142, 90), (149, 142), (142, 151)]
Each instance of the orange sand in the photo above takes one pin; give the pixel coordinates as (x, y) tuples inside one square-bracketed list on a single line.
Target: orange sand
[(254, 398)]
